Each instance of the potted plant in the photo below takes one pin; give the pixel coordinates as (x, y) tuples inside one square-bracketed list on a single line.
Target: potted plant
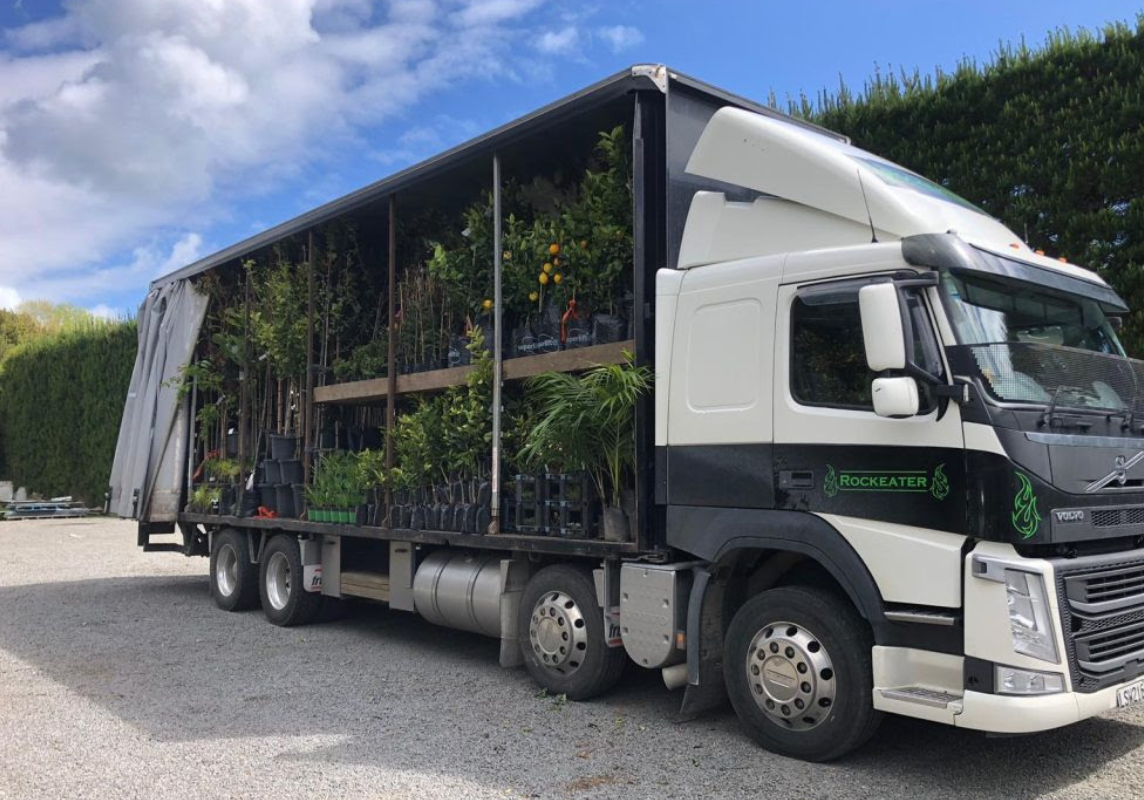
[(225, 474), (587, 422), (337, 490), (205, 499)]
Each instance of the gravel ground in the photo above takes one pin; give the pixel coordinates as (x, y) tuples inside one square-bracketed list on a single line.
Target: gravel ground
[(119, 678)]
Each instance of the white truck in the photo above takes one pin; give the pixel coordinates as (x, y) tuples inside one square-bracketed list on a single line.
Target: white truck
[(891, 463)]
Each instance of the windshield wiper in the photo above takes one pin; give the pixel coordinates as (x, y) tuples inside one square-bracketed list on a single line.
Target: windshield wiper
[(1050, 418)]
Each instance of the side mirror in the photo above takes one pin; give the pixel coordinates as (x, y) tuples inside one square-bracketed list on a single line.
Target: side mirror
[(895, 397), (882, 328)]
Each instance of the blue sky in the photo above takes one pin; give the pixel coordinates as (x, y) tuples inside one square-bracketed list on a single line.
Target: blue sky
[(136, 136)]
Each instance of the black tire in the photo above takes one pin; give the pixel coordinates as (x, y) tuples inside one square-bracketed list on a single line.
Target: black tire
[(285, 603), (583, 672), (835, 636), (234, 580)]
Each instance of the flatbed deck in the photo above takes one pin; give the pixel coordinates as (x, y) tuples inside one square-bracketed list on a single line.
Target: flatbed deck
[(500, 541)]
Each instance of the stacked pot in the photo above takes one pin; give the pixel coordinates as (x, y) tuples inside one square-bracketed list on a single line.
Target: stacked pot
[(282, 490)]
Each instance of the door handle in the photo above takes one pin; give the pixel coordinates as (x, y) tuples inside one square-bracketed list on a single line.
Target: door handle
[(796, 479)]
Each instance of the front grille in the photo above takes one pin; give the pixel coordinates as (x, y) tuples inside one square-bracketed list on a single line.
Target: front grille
[(1102, 615), (1116, 517)]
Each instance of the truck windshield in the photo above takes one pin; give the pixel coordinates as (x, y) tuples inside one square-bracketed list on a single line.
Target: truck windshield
[(1031, 345)]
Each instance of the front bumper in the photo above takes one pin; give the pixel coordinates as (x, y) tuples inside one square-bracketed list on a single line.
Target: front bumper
[(999, 713)]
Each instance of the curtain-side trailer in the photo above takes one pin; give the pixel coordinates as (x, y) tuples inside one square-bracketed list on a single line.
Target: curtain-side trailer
[(889, 461)]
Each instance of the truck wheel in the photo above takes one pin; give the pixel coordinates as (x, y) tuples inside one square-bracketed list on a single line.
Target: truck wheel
[(284, 601), (797, 663), (234, 580), (562, 635)]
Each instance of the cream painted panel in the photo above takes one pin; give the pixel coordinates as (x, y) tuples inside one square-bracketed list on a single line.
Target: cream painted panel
[(909, 564), (799, 424), (983, 438), (667, 283), (722, 353), (735, 331), (719, 231)]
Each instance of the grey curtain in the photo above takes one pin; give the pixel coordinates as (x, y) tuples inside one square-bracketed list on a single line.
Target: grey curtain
[(150, 456)]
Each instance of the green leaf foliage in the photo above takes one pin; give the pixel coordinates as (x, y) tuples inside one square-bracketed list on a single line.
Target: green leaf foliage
[(61, 400), (587, 422), (1048, 140)]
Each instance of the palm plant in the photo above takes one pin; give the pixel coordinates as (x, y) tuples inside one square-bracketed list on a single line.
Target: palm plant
[(587, 422)]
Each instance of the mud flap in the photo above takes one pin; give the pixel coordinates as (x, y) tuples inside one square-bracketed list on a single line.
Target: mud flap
[(705, 689)]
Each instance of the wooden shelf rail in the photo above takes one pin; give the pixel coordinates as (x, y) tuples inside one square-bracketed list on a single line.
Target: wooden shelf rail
[(515, 369)]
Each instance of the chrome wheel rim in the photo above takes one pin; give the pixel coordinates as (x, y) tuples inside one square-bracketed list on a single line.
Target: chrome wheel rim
[(791, 676), (226, 570), (558, 633), (278, 581)]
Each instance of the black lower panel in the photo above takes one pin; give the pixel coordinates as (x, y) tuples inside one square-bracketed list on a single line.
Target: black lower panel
[(721, 475)]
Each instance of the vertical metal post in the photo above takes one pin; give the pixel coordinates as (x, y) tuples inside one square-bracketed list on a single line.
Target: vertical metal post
[(391, 357), (308, 402), (244, 438), (494, 524)]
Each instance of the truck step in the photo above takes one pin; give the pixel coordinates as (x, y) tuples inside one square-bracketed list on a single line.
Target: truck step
[(163, 547), (370, 585), (918, 694)]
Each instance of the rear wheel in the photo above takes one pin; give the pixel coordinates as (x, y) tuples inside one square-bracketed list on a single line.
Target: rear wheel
[(563, 641), (234, 580), (284, 601), (797, 664)]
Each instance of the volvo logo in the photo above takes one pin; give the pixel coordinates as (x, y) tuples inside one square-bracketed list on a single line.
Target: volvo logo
[(1118, 475), (1069, 516)]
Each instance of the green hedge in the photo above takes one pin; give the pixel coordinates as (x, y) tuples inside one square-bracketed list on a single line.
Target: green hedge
[(61, 399), (1049, 140)]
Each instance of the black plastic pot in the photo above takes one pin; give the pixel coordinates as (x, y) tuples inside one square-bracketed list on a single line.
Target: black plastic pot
[(232, 444), (272, 472), (361, 514), (248, 505), (483, 518), (290, 471), (226, 500), (608, 328), (577, 333), (268, 496), (283, 446), (285, 507), (416, 518)]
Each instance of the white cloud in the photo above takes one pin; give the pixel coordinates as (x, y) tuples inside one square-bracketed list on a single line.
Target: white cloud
[(104, 311), (621, 37), (147, 263), (559, 42), (129, 120), (9, 298)]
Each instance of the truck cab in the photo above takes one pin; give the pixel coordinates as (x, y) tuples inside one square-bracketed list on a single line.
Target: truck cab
[(934, 428)]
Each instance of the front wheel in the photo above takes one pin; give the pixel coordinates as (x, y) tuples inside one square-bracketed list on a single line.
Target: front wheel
[(797, 664)]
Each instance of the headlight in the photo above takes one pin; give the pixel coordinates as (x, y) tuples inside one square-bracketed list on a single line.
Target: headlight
[(1010, 680), (1029, 619)]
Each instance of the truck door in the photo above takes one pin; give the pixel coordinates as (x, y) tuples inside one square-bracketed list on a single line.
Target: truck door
[(894, 488)]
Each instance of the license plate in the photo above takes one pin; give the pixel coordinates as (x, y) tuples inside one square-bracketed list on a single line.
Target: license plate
[(1130, 695)]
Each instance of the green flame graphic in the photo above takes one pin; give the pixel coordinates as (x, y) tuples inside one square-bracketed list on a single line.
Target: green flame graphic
[(939, 488), (830, 484), (1025, 517)]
